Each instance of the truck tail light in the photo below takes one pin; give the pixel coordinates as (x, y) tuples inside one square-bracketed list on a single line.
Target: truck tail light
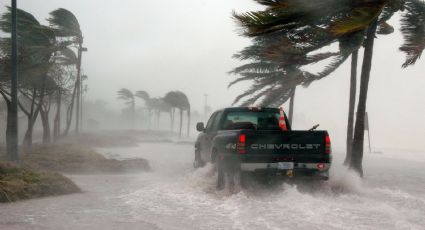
[(320, 166), (282, 122), (328, 148), (241, 146)]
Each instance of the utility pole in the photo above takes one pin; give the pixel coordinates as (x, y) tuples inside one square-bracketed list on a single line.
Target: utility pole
[(13, 134)]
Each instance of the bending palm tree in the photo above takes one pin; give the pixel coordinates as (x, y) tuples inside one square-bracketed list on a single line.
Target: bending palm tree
[(66, 24), (128, 97), (37, 44), (276, 71), (178, 99), (319, 25), (65, 57), (146, 98)]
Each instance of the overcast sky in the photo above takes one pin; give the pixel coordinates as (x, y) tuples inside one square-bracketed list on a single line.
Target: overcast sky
[(187, 45)]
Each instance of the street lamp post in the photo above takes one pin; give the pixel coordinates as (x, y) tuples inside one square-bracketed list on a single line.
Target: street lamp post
[(13, 135)]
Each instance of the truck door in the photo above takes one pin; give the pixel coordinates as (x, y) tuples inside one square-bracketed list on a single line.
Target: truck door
[(210, 133)]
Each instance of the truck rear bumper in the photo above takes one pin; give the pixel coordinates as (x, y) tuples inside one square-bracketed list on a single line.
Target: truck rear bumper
[(305, 171), (274, 166), (309, 168)]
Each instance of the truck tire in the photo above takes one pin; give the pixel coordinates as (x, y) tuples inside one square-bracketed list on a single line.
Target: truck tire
[(228, 177), (198, 162), (220, 175)]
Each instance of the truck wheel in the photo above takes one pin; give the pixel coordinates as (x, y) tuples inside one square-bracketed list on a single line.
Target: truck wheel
[(228, 178), (198, 162), (220, 176)]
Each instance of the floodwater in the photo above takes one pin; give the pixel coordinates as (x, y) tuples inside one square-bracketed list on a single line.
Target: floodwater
[(175, 196)]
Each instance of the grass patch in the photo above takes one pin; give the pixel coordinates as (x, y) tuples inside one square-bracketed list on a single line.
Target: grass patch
[(101, 140), (118, 138), (69, 158), (17, 183)]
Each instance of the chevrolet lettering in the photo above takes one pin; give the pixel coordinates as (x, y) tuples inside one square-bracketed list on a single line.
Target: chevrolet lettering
[(285, 146)]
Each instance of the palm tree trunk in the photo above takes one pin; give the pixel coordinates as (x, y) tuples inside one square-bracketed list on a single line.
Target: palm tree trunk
[(291, 106), (44, 114), (57, 121), (173, 118), (188, 122), (352, 105), (32, 115), (27, 142), (181, 123), (133, 113), (78, 87), (358, 141), (158, 120), (149, 118), (70, 112)]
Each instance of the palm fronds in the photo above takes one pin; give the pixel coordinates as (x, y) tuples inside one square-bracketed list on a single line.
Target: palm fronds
[(125, 94), (66, 57), (413, 30), (142, 95), (358, 18), (65, 23)]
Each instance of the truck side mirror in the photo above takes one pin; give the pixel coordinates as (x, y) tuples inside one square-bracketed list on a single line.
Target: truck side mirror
[(200, 127)]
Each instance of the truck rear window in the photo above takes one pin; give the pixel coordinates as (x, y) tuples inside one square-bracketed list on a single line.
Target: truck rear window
[(265, 120)]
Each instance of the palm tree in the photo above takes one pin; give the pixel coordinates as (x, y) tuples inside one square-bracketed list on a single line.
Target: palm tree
[(171, 98), (160, 107), (146, 98), (351, 106), (356, 160), (184, 105), (128, 97), (270, 87), (153, 107), (315, 24), (46, 104), (63, 58), (66, 25), (413, 31), (179, 100), (36, 47), (276, 71)]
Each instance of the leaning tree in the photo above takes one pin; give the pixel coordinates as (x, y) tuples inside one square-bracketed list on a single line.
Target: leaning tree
[(128, 97), (37, 44), (66, 26), (322, 25), (179, 100)]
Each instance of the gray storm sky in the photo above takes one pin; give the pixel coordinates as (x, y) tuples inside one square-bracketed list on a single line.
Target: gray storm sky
[(187, 45)]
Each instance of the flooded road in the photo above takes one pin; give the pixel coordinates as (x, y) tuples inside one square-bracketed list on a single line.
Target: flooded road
[(175, 196)]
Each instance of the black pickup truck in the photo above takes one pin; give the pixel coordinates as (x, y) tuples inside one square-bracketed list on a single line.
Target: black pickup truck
[(252, 139)]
